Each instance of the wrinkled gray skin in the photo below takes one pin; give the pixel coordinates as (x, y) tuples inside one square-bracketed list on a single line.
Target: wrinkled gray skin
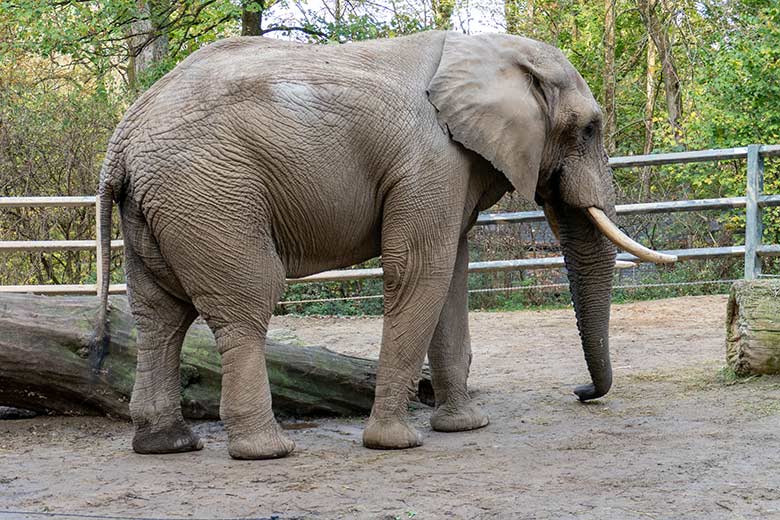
[(257, 159)]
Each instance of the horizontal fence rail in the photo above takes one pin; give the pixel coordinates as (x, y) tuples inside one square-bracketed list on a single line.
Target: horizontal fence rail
[(722, 154), (753, 201), (644, 208), (326, 276), (51, 202), (54, 245)]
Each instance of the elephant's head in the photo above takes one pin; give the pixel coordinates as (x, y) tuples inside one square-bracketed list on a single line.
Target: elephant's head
[(522, 106)]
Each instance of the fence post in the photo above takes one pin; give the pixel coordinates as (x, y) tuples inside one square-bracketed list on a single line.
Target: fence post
[(98, 247), (753, 224)]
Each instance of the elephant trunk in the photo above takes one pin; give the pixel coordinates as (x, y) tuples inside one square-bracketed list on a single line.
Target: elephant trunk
[(590, 261)]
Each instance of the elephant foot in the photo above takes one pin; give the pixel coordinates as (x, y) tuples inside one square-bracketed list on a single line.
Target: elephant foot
[(390, 434), (447, 418), (178, 438), (270, 443)]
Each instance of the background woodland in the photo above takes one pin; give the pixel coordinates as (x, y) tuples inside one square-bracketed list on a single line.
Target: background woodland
[(671, 75)]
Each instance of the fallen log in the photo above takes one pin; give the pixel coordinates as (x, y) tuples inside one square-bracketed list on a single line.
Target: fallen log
[(45, 365), (753, 327)]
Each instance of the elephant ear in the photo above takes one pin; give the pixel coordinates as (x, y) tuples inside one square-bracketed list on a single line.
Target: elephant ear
[(492, 95)]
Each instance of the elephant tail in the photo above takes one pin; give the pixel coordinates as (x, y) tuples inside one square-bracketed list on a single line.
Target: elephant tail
[(111, 178)]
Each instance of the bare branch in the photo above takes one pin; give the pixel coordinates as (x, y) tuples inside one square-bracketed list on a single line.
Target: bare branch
[(289, 28)]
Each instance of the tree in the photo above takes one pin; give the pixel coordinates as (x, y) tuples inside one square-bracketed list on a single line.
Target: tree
[(147, 37), (649, 113), (252, 17), (610, 113), (659, 31), (650, 93)]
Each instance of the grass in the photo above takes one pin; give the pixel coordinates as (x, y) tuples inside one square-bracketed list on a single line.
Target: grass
[(701, 378), (763, 408), (728, 377)]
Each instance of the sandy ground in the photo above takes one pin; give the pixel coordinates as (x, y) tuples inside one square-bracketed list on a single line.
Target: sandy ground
[(672, 440)]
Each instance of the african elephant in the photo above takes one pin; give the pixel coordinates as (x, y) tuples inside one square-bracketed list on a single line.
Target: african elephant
[(256, 160)]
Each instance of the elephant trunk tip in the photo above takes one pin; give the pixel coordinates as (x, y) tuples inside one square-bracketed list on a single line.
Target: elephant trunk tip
[(592, 391)]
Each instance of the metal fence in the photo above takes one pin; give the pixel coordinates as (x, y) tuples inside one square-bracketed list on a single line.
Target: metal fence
[(753, 202)]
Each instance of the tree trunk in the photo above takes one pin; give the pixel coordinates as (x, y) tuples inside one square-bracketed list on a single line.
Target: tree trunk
[(753, 327), (650, 91), (610, 119), (673, 93), (252, 17), (650, 88), (44, 365), (148, 38)]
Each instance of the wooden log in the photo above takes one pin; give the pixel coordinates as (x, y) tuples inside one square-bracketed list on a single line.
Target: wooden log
[(45, 366), (753, 327)]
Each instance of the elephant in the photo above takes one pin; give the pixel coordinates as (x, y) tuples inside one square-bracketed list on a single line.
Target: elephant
[(257, 159)]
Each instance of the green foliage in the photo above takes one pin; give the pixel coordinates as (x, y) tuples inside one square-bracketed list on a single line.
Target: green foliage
[(738, 84), (88, 33), (95, 34), (735, 91)]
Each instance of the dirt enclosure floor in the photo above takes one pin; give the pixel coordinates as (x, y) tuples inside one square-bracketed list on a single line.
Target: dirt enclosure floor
[(674, 439)]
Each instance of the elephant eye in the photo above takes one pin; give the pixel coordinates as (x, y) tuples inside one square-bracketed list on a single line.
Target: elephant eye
[(589, 130)]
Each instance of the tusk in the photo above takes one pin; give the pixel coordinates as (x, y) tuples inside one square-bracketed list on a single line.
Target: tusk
[(621, 240), (552, 221)]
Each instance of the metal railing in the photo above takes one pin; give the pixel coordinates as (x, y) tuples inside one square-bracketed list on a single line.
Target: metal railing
[(753, 202)]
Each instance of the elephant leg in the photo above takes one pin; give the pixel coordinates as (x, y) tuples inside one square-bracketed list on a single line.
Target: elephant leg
[(418, 250), (251, 280), (450, 356), (162, 321)]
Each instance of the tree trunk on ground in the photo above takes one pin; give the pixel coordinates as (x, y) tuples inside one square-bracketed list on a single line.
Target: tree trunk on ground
[(610, 119), (753, 327), (44, 365)]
